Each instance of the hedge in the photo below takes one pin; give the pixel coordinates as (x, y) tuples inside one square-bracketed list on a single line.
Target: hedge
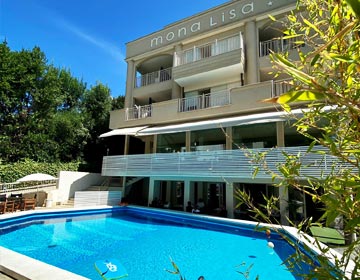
[(9, 173)]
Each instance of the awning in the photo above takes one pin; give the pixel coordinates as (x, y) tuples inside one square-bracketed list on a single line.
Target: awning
[(214, 123), (123, 131), (224, 122)]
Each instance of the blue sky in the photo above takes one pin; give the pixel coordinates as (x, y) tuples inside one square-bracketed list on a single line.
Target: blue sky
[(88, 36)]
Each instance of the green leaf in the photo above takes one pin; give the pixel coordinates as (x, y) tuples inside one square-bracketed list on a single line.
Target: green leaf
[(299, 96), (312, 26), (355, 6), (355, 222), (315, 59)]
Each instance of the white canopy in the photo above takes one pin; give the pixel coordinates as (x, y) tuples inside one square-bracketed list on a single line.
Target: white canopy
[(123, 131), (216, 123), (36, 177)]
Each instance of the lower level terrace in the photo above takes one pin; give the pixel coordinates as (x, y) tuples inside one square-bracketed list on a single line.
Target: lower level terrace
[(228, 164)]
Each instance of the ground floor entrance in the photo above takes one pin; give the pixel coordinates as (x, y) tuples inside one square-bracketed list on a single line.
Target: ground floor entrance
[(221, 198)]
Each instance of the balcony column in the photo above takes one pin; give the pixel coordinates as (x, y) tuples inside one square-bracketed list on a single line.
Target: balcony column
[(230, 200), (126, 144), (251, 54), (280, 134), (151, 190), (188, 141), (130, 84), (148, 144), (155, 144), (229, 138), (176, 89), (187, 192), (126, 152), (283, 191)]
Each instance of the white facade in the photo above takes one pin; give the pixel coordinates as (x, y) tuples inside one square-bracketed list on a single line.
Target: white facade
[(192, 98)]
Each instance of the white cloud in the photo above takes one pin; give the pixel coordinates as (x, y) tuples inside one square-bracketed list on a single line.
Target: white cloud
[(107, 47)]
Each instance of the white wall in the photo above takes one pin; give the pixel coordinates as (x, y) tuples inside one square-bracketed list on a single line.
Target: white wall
[(69, 182)]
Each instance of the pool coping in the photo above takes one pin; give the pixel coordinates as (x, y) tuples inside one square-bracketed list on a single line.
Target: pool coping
[(30, 268), (33, 269)]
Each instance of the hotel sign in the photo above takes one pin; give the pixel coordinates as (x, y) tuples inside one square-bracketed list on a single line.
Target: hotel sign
[(225, 14)]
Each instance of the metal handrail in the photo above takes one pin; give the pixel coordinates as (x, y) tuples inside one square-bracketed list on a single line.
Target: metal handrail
[(277, 45), (138, 112), (210, 100), (280, 86), (159, 76), (11, 187), (214, 48)]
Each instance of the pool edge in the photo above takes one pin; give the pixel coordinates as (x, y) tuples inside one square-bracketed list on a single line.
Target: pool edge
[(12, 267)]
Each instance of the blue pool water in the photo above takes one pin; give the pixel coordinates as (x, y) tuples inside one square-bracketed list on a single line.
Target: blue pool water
[(144, 241)]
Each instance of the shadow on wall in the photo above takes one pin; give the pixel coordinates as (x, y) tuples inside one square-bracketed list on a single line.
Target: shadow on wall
[(69, 182)]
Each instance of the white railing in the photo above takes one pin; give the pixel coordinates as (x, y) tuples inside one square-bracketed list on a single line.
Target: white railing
[(154, 77), (280, 86), (278, 45), (138, 112), (218, 164), (208, 50), (210, 100), (25, 187)]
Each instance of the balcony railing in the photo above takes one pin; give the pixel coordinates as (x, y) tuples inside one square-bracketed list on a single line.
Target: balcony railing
[(208, 50), (218, 164), (154, 77), (138, 112), (280, 86), (210, 100), (277, 45)]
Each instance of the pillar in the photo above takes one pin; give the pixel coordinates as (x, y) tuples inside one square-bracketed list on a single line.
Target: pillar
[(176, 89), (280, 134), (155, 144), (283, 192), (126, 144), (126, 152), (251, 53), (284, 210), (188, 141), (148, 144), (187, 193), (230, 200), (130, 83), (151, 190), (229, 138)]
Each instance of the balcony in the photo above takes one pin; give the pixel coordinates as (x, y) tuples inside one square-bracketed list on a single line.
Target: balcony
[(244, 99), (278, 45), (217, 62), (154, 77), (211, 100), (227, 164), (138, 112), (208, 50)]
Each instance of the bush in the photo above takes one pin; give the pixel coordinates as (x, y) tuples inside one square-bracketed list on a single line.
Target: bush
[(9, 173)]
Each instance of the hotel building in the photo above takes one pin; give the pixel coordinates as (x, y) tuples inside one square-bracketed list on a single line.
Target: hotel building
[(193, 112)]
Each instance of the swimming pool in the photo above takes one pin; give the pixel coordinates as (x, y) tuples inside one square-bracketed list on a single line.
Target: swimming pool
[(144, 240)]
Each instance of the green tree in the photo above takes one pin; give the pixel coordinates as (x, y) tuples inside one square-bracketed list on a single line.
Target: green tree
[(33, 96), (118, 102), (20, 74), (96, 108), (326, 74)]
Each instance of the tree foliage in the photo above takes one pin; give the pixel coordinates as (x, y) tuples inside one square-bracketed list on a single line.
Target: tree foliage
[(46, 114), (326, 77), (13, 171)]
